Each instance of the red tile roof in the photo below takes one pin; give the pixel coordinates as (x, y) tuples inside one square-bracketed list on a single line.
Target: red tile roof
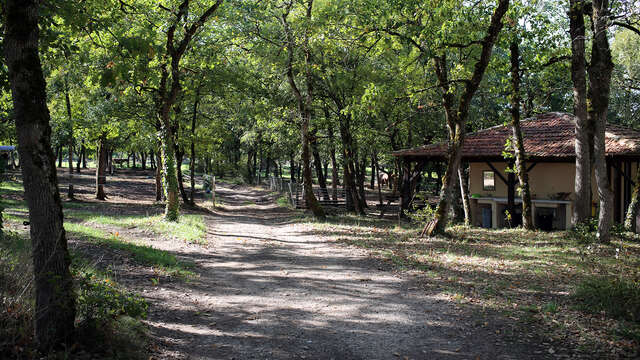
[(546, 136)]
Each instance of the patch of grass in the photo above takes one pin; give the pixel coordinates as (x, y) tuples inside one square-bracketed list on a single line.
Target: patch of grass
[(190, 228), (116, 334), (283, 201), (142, 253), (618, 298), (510, 271)]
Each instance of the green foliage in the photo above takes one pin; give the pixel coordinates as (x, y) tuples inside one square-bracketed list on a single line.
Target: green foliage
[(617, 297), (100, 300), (584, 232), (108, 325), (421, 212), (143, 253)]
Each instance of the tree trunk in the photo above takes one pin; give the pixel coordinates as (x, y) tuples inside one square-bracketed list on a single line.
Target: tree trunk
[(54, 298), (310, 198), (179, 158), (101, 168), (110, 161), (305, 104), (84, 156), (456, 117), (169, 172), (518, 142), (143, 160), (192, 160), (60, 156), (317, 163), (70, 118), (250, 156), (372, 183), (351, 192), (634, 205), (334, 166), (292, 168), (464, 194), (192, 169), (584, 129), (80, 154), (377, 168), (361, 179), (159, 190), (599, 88)]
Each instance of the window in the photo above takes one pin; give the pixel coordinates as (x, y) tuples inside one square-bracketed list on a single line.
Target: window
[(488, 180)]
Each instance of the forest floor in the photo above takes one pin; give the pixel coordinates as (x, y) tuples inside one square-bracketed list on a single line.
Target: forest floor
[(254, 280)]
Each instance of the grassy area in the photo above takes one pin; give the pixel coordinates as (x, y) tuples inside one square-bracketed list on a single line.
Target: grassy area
[(107, 315), (142, 253), (190, 228), (283, 201), (535, 278)]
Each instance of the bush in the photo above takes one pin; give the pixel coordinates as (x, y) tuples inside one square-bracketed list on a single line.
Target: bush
[(16, 297), (100, 301), (618, 298), (421, 212), (584, 232)]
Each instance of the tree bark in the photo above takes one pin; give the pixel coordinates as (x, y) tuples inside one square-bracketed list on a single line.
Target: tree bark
[(54, 298), (84, 156), (70, 118), (464, 194), (159, 190), (110, 165), (456, 118), (167, 95), (317, 163), (599, 88), (183, 192), (334, 166), (80, 155), (305, 104), (351, 192), (634, 205), (101, 168), (518, 142), (584, 128)]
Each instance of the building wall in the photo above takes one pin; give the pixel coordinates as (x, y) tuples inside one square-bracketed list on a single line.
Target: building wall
[(548, 181), (545, 179)]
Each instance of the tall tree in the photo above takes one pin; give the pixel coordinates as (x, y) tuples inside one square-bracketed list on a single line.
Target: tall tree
[(456, 115), (600, 70), (168, 91), (518, 141), (305, 102), (55, 302), (584, 129)]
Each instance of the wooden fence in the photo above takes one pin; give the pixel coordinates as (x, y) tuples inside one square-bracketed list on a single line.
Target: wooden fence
[(295, 193)]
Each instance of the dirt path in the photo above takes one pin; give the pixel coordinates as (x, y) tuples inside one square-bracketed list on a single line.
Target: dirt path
[(272, 289)]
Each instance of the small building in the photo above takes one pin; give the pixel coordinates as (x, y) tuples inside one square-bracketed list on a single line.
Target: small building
[(549, 141)]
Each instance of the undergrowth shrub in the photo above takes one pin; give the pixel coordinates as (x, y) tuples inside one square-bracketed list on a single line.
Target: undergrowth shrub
[(107, 316), (584, 232), (618, 298), (100, 300), (421, 212), (16, 297)]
